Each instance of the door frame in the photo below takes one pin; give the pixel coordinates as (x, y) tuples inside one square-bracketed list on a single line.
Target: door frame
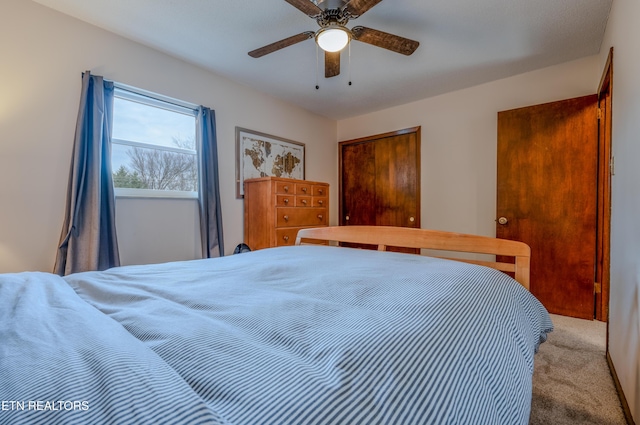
[(605, 171), (410, 130)]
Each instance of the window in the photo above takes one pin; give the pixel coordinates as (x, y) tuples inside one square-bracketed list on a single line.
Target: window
[(154, 147)]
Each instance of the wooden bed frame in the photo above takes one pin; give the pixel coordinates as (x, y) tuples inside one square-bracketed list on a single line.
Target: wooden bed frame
[(386, 236)]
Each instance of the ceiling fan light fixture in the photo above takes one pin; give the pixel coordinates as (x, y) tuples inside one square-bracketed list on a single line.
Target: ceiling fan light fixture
[(333, 38)]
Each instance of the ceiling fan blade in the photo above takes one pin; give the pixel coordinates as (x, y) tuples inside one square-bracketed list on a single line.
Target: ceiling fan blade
[(270, 48), (305, 6), (385, 40), (356, 8), (331, 64)]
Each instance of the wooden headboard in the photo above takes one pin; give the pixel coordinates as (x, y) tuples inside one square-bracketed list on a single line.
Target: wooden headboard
[(386, 236)]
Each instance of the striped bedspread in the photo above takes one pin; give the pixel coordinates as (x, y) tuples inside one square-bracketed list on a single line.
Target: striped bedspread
[(292, 335)]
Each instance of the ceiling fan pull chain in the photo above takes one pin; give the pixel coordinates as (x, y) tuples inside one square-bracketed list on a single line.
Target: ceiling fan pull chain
[(317, 65), (349, 64)]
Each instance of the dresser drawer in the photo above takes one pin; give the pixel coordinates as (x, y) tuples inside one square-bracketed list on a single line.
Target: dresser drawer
[(303, 201), (319, 190), (295, 217), (303, 189), (319, 202), (286, 236), (285, 187), (285, 200)]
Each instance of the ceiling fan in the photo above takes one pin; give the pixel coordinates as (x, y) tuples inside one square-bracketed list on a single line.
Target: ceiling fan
[(333, 36)]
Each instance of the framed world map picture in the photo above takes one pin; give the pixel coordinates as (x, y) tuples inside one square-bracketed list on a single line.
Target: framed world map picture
[(262, 155)]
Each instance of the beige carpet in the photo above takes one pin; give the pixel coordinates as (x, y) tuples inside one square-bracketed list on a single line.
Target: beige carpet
[(572, 383)]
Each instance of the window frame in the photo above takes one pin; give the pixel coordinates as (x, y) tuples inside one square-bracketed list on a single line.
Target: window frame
[(144, 97)]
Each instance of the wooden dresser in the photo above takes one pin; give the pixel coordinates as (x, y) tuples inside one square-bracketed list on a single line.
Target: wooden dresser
[(276, 208)]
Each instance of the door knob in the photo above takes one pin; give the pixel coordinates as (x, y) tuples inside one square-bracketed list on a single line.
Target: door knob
[(503, 220)]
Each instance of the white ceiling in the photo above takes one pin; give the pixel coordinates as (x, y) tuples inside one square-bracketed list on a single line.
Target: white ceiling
[(462, 43)]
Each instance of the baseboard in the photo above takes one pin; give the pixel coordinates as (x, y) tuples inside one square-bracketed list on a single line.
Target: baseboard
[(623, 399)]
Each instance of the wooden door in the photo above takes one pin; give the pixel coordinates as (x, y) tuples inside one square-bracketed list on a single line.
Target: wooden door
[(380, 180), (547, 197)]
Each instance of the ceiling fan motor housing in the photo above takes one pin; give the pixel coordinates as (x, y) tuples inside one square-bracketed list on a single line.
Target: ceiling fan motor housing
[(332, 17)]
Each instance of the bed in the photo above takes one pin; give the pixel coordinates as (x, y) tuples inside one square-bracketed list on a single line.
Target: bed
[(305, 334)]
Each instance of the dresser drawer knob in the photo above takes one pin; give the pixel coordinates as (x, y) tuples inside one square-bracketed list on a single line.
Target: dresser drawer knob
[(286, 218), (320, 191), (320, 216), (286, 200), (286, 238), (320, 202), (286, 188), (304, 189), (304, 201)]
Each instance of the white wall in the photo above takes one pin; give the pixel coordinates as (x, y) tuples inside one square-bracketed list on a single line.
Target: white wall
[(623, 33), (43, 55), (459, 134), (157, 230)]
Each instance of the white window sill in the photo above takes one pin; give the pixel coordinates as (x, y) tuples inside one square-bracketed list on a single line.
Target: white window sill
[(156, 194)]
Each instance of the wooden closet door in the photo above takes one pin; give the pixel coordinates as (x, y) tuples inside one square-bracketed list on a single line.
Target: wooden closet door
[(358, 187), (397, 194), (380, 180)]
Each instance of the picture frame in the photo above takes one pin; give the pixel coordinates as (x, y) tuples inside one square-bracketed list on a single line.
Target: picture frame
[(262, 155)]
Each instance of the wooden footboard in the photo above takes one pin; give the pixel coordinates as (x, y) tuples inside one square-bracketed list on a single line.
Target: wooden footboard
[(386, 236)]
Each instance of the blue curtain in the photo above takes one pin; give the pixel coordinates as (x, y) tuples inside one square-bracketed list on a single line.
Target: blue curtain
[(88, 240), (209, 198)]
